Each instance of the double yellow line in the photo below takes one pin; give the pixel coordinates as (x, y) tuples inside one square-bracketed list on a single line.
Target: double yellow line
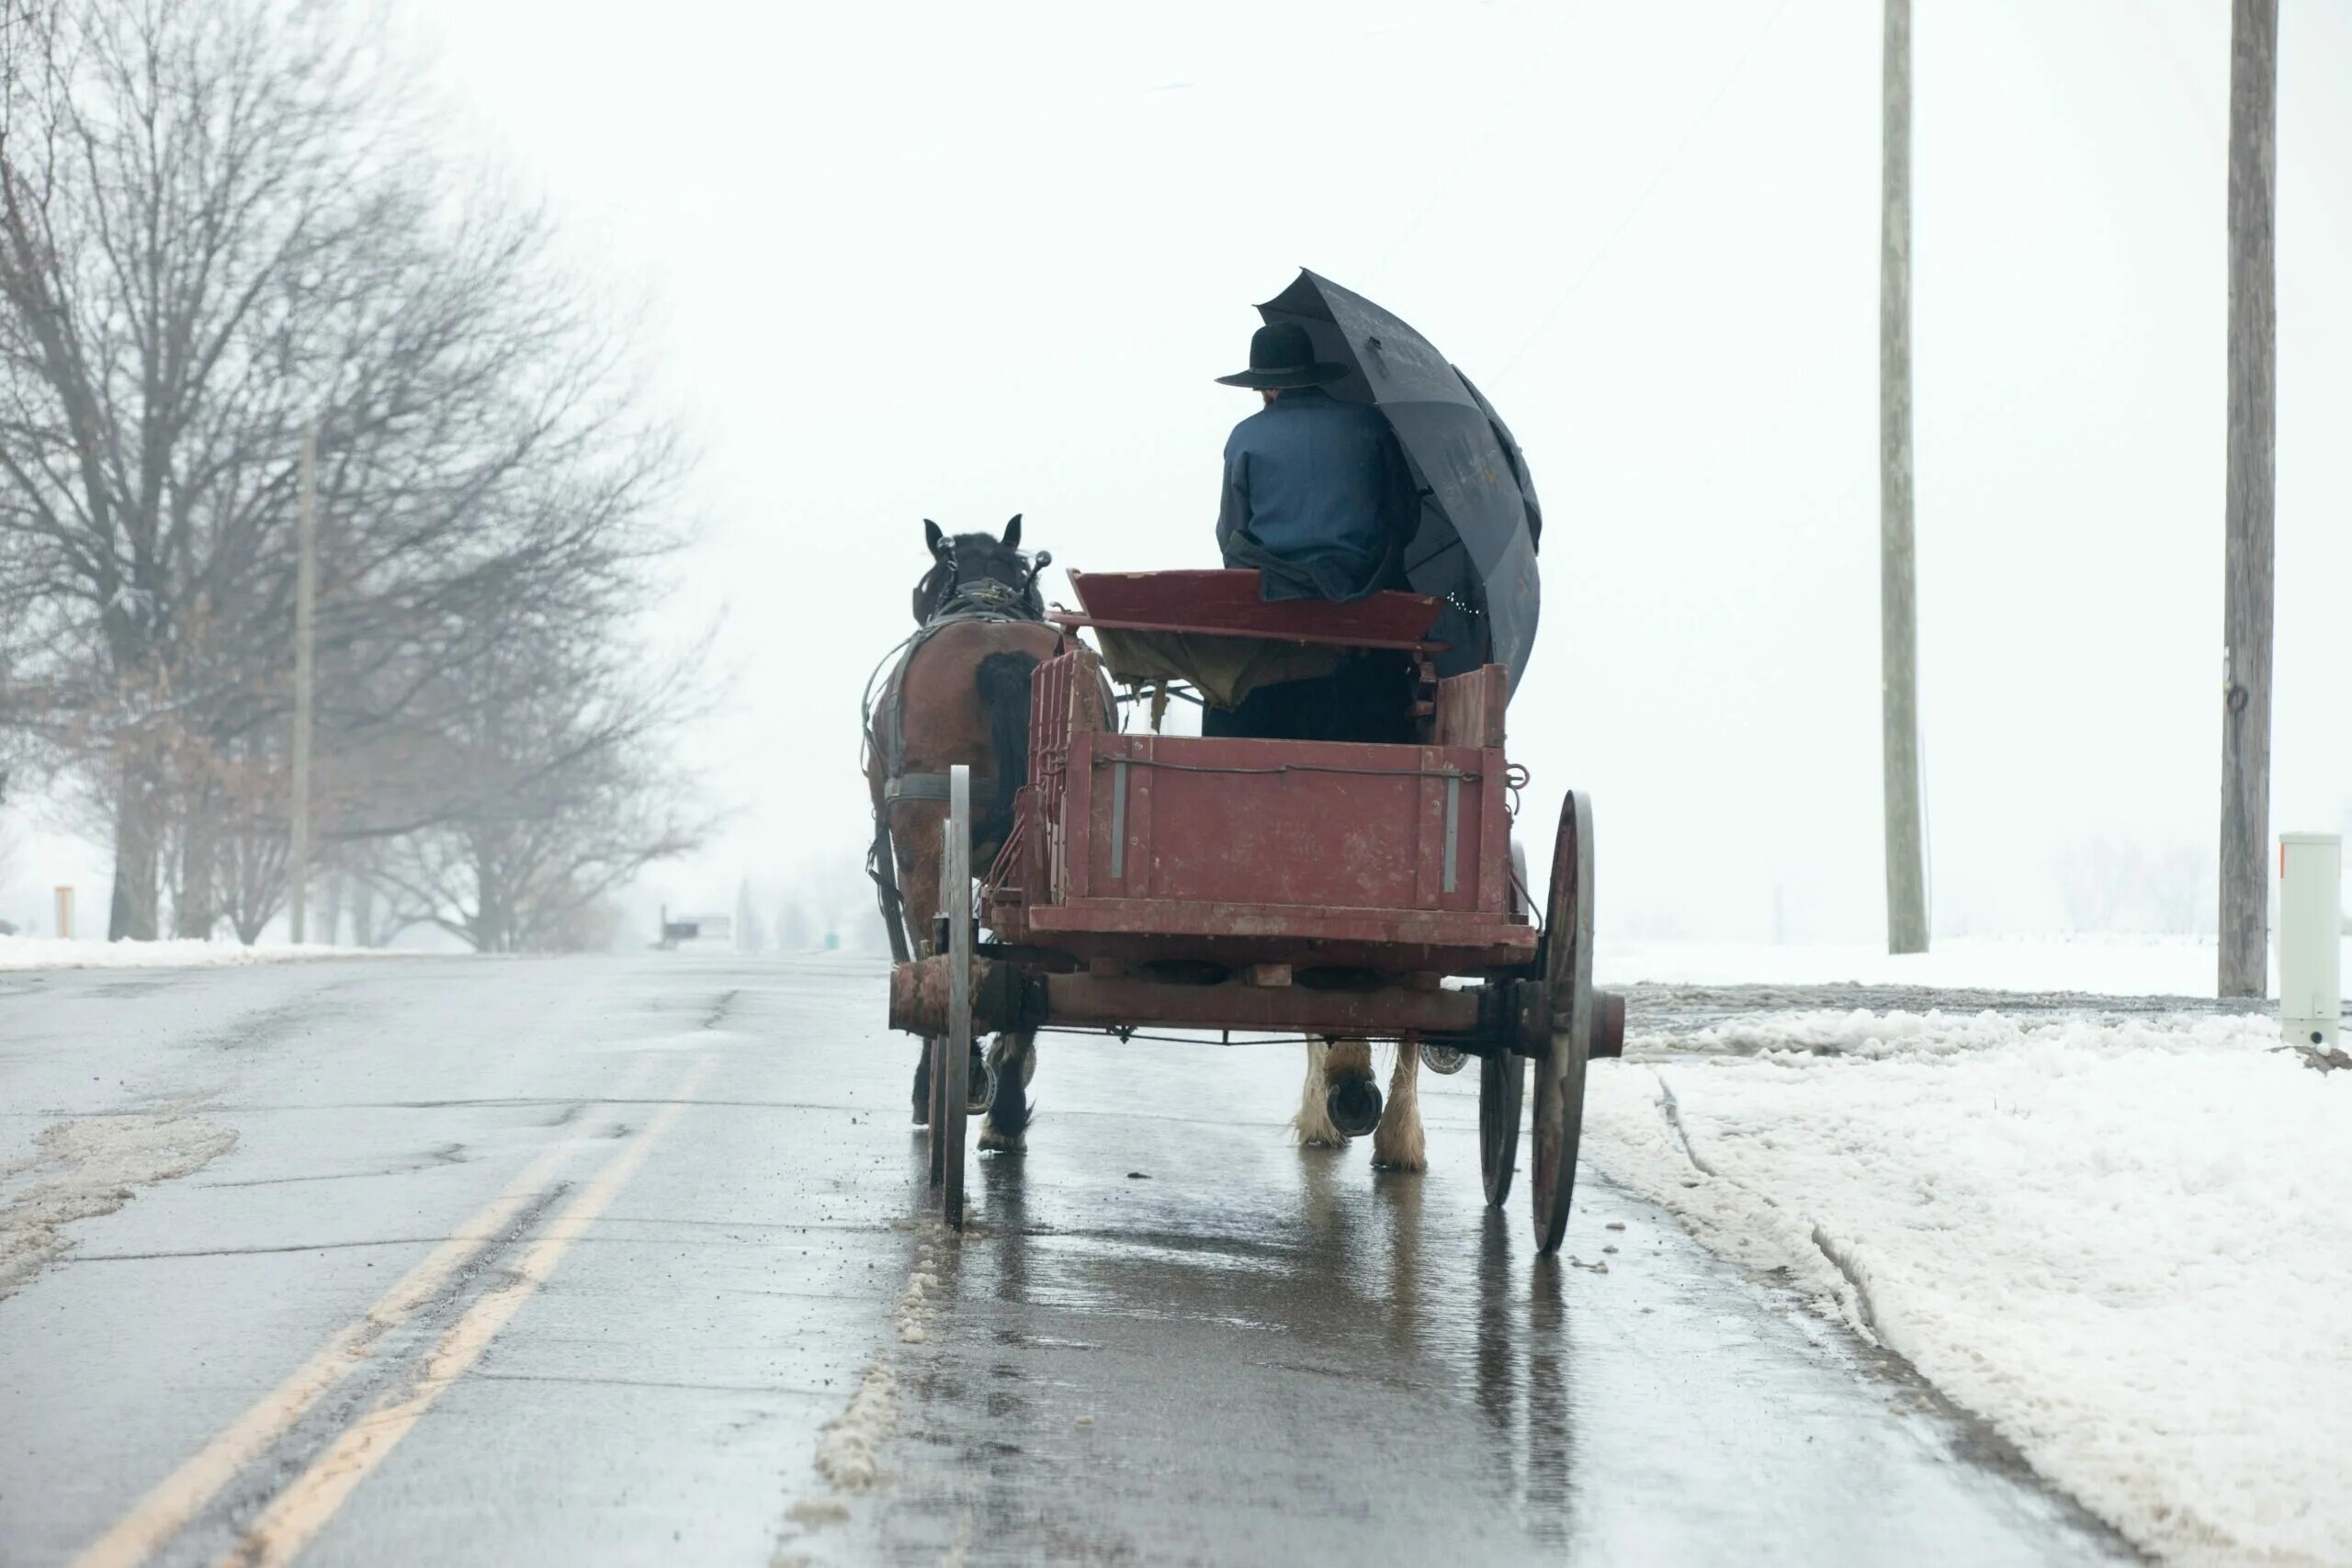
[(298, 1512)]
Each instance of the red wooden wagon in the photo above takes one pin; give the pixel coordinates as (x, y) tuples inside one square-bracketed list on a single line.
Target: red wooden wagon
[(1299, 887)]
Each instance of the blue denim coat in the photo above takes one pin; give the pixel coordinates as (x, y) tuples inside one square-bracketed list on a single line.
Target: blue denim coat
[(1317, 498)]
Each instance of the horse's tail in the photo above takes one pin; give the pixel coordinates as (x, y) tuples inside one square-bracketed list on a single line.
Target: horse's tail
[(1003, 682)]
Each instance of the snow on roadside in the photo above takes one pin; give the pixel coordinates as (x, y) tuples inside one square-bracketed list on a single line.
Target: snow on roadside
[(2129, 1246), (847, 1451), (71, 953), (2103, 964)]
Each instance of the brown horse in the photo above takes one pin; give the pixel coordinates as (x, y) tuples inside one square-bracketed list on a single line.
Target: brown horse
[(958, 693)]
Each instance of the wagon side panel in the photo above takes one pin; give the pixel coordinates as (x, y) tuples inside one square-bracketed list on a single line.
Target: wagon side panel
[(1309, 825)]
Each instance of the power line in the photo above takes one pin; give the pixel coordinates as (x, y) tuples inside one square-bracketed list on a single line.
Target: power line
[(1740, 68), (1477, 142)]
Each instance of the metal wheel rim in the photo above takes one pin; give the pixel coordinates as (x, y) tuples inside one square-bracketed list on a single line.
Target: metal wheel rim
[(1559, 1077), (956, 894), (937, 1144), (1502, 1087)]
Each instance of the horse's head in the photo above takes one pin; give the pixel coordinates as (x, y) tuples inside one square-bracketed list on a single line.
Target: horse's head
[(981, 569)]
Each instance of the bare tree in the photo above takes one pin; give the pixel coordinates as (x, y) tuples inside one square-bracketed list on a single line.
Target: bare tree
[(2178, 889), (795, 932), (569, 793), (220, 223), (750, 932), (379, 912), (2097, 879), (2118, 885)]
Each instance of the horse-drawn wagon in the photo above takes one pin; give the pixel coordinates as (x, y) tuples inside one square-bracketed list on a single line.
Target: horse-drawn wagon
[(1319, 889)]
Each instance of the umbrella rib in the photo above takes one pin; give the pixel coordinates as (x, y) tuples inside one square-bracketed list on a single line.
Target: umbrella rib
[(1454, 544)]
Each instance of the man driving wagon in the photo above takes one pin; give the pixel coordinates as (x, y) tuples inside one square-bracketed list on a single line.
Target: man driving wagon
[(1319, 501), (1331, 858)]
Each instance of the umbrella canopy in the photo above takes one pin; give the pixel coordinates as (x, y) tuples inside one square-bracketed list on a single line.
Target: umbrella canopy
[(1480, 523)]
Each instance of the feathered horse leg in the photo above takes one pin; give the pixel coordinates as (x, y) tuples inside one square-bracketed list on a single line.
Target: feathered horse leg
[(1397, 1142)]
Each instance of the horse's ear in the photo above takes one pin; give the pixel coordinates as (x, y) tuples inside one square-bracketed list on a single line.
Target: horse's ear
[(1012, 533), (933, 536)]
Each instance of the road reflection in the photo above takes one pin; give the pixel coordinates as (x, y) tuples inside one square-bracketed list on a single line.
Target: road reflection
[(1545, 1493), (1405, 1322)]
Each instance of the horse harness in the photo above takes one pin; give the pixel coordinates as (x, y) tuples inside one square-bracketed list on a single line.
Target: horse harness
[(986, 601)]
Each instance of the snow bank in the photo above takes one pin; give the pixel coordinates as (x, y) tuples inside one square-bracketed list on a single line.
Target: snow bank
[(61, 952), (2127, 1246), (2104, 965)]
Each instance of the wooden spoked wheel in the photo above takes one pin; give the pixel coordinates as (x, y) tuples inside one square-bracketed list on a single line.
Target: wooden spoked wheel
[(1502, 1080), (932, 1140), (1559, 1075), (1502, 1086), (951, 1053)]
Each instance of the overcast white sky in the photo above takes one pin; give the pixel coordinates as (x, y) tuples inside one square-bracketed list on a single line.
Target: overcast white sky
[(957, 262)]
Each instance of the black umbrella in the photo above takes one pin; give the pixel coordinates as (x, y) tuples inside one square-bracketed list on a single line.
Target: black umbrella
[(1480, 523)]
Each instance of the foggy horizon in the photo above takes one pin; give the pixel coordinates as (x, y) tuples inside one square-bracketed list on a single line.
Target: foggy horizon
[(996, 276)]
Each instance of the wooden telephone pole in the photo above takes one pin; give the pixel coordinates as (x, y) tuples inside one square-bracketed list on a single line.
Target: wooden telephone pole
[(306, 590), (1906, 895), (2249, 506)]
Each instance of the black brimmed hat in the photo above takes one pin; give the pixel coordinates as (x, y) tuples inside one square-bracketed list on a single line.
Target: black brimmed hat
[(1283, 356)]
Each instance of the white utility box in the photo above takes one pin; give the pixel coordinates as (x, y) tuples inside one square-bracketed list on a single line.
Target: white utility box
[(2311, 937)]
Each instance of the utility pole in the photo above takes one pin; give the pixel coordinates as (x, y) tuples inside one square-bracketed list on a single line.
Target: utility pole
[(1898, 599), (306, 588), (2248, 508)]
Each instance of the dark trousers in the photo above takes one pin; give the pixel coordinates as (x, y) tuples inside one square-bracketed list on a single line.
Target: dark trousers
[(1367, 699)]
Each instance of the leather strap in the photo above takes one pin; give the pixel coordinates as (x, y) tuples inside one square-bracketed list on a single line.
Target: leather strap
[(934, 786)]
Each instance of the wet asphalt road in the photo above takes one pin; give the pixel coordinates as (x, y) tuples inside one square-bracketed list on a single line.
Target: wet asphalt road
[(573, 1262)]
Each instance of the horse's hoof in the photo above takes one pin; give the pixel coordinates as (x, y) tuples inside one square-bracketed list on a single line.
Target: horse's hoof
[(923, 1116), (1354, 1106), (994, 1143)]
